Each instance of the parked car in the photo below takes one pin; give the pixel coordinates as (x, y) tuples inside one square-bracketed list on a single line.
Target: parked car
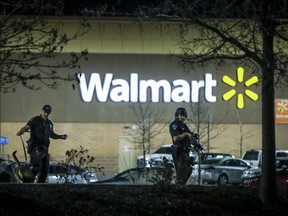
[(255, 156), (209, 155), (142, 176), (254, 182), (221, 171), (60, 173), (252, 177), (154, 158), (91, 176)]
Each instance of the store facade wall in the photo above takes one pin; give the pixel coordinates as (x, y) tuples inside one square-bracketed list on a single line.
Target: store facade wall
[(130, 62)]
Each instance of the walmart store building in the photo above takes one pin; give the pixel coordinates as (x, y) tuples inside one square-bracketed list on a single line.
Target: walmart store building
[(131, 62)]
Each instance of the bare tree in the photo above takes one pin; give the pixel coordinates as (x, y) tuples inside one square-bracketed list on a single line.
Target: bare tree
[(243, 136), (30, 41), (83, 159), (203, 123), (145, 126), (253, 33)]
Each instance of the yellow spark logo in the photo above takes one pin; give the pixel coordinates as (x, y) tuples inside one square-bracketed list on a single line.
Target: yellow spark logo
[(240, 98), (282, 106)]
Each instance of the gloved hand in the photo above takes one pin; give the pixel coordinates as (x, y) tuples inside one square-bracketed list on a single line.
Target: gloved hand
[(64, 136), (196, 136), (20, 133)]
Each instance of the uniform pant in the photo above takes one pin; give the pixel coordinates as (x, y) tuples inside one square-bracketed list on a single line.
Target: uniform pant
[(39, 159), (182, 164)]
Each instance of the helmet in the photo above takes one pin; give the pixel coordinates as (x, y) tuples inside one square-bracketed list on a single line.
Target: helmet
[(181, 111), (47, 109)]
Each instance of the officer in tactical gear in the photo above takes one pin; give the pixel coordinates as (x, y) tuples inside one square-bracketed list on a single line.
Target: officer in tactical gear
[(181, 138), (41, 130)]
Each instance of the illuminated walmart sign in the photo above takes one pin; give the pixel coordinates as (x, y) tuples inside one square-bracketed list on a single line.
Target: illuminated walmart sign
[(135, 90), (120, 90), (240, 98)]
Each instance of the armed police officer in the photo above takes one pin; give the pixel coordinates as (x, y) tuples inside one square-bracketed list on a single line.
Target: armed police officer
[(41, 129), (181, 138)]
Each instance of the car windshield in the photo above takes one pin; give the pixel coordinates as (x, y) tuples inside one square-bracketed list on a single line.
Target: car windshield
[(281, 163), (281, 154), (252, 155), (64, 168), (163, 150), (212, 161), (216, 155), (57, 169), (77, 168)]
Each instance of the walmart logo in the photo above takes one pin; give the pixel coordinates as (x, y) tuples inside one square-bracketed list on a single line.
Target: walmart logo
[(240, 98)]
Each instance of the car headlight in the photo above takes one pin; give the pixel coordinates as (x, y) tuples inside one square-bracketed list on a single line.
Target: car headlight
[(252, 173)]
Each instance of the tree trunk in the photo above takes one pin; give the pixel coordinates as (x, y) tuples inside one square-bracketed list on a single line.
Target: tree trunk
[(268, 192)]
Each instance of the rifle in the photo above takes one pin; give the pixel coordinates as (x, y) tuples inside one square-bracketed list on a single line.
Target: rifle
[(194, 143)]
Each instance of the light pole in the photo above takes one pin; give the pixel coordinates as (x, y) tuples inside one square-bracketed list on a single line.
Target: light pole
[(208, 131)]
